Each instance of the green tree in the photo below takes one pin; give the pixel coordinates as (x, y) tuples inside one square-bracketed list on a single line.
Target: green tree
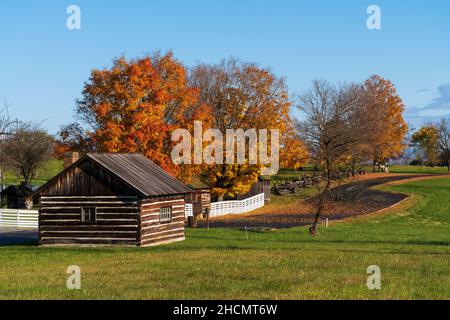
[(27, 150)]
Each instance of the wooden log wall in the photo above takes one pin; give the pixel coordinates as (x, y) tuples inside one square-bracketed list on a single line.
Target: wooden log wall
[(200, 199), (154, 232), (117, 220), (87, 179)]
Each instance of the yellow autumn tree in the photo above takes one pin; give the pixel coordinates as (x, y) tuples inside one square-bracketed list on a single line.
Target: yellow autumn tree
[(426, 142), (385, 122), (293, 152), (241, 96)]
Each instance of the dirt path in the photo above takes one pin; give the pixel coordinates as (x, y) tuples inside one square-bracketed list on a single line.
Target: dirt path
[(357, 198)]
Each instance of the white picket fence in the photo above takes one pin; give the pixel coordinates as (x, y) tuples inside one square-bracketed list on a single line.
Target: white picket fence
[(237, 206), (188, 211), (19, 218), (231, 207)]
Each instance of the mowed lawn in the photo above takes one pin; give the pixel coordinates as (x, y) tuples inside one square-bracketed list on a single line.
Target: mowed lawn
[(418, 169), (410, 245)]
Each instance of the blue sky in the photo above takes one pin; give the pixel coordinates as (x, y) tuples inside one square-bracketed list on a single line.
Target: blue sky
[(43, 65)]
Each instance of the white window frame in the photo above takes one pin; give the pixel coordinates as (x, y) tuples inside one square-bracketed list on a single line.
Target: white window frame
[(165, 214)]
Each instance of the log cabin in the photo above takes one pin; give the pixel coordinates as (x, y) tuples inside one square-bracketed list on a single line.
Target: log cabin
[(200, 198), (112, 199), (201, 201)]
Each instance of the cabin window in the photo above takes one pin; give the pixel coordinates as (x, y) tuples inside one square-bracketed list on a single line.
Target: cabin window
[(88, 214), (165, 214), (206, 197)]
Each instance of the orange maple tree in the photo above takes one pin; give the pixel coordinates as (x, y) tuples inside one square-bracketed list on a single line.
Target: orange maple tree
[(135, 105)]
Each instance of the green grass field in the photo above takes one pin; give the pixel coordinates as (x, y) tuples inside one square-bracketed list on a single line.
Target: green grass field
[(411, 246), (418, 169)]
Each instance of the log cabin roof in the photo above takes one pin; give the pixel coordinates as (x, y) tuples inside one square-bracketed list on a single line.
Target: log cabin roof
[(138, 172)]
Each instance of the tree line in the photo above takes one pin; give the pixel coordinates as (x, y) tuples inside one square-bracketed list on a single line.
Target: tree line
[(136, 104)]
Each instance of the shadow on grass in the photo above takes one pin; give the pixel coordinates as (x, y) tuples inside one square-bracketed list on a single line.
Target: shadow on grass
[(254, 244), (314, 241), (15, 237)]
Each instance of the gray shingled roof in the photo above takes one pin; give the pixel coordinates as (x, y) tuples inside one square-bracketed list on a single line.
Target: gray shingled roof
[(140, 173)]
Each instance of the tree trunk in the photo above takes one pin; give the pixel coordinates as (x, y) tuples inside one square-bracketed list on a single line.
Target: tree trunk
[(353, 168), (192, 221), (220, 197), (26, 176), (313, 229), (338, 191), (207, 218), (322, 201)]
